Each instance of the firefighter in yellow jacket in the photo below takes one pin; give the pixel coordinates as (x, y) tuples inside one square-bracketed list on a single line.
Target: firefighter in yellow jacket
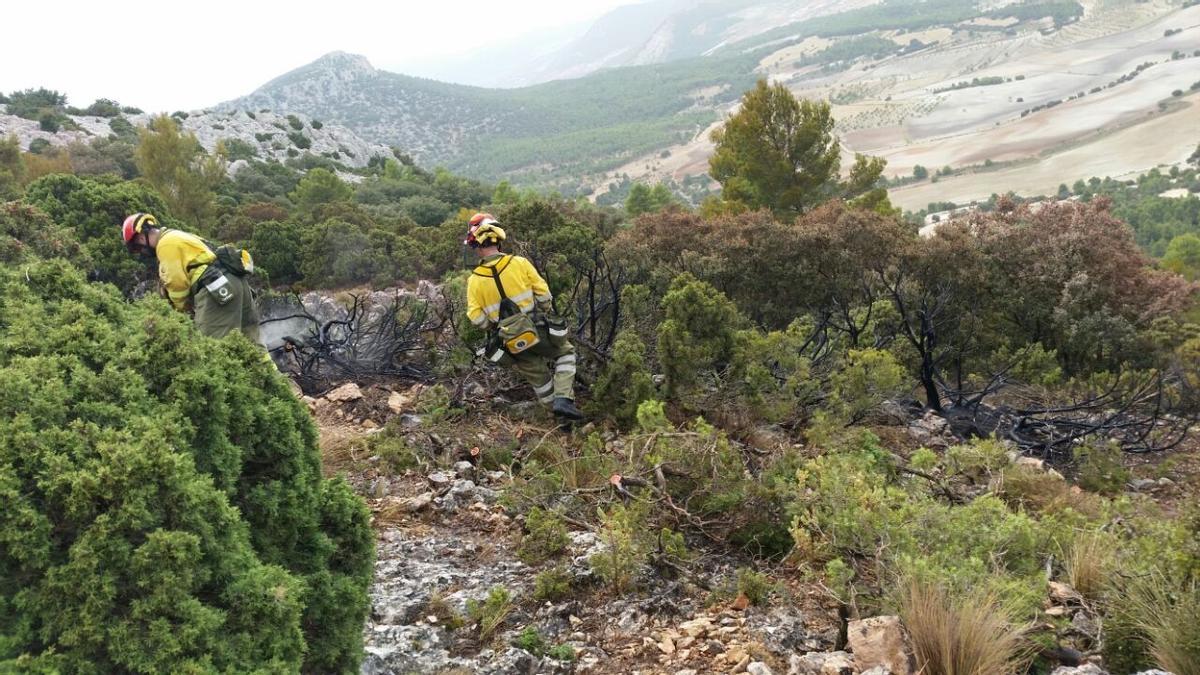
[(508, 298), (193, 276)]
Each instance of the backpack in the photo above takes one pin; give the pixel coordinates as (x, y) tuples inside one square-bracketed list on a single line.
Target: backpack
[(236, 261), (516, 329)]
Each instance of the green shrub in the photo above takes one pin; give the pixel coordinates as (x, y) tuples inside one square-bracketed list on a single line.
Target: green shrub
[(531, 641), (697, 333), (625, 382), (545, 537), (164, 505), (866, 378), (300, 140), (94, 207), (1102, 468), (552, 584), (295, 122), (623, 532), (756, 586), (277, 249), (491, 612)]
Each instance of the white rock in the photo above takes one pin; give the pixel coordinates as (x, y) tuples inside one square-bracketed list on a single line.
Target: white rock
[(759, 668), (881, 641), (345, 393)]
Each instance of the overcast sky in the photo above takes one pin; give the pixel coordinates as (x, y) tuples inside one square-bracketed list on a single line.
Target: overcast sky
[(186, 55)]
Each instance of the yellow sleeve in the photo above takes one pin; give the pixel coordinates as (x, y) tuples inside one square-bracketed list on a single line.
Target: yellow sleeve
[(475, 302), (172, 271), (541, 290)]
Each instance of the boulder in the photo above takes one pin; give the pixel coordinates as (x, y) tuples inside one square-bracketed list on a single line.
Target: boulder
[(345, 394), (759, 668), (822, 663), (1087, 669), (881, 641)]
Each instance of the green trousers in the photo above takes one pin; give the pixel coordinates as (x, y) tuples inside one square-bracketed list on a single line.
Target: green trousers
[(217, 319), (550, 370)]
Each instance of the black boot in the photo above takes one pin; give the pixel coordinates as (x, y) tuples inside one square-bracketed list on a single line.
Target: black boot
[(565, 407)]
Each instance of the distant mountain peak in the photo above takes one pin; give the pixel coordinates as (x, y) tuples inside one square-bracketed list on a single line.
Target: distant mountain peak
[(345, 62)]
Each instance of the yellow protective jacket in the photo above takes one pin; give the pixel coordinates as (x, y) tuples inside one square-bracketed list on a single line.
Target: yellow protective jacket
[(522, 284), (182, 258)]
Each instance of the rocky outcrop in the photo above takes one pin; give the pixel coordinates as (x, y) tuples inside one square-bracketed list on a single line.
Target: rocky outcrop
[(268, 135)]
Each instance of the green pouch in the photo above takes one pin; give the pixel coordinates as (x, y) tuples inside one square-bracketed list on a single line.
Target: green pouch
[(518, 333)]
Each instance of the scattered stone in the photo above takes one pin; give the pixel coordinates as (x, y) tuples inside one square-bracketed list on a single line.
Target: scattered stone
[(1057, 611), (345, 394), (1143, 484), (715, 646), (666, 646), (1084, 624), (398, 402), (1089, 669), (696, 627), (465, 469), (1165, 482), (822, 663), (877, 670), (881, 641), (369, 424), (686, 671), (742, 664), (418, 503), (741, 602), (759, 668), (1032, 463), (1063, 594), (440, 478), (931, 430)]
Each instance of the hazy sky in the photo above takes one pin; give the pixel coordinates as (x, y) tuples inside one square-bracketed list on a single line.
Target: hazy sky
[(185, 55)]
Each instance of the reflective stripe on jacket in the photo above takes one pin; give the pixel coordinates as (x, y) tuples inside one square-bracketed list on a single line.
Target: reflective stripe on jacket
[(177, 251), (522, 284)]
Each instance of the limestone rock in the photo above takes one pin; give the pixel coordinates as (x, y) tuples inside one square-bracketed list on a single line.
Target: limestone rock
[(1088, 669), (881, 641), (759, 668), (822, 663), (345, 394)]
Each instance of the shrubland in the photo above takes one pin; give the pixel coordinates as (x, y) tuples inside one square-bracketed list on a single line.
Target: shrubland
[(751, 370)]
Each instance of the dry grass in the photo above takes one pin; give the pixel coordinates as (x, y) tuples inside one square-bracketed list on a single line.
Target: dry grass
[(1043, 492), (1088, 563), (962, 636), (1169, 615)]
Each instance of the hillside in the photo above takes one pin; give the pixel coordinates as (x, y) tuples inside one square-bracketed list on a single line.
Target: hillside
[(247, 134), (947, 83)]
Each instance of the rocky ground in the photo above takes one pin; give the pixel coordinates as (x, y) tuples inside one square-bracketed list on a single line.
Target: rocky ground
[(447, 537)]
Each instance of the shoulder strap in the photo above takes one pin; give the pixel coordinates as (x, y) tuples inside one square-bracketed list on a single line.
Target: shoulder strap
[(212, 248), (507, 306)]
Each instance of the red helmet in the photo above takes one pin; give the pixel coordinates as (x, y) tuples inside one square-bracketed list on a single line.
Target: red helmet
[(483, 229), (134, 224)]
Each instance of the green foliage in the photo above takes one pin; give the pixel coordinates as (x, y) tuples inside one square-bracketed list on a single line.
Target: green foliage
[(626, 548), (295, 123), (176, 166), (278, 249), (319, 187), (491, 612), (756, 586), (545, 537), (1102, 468), (94, 207), (625, 382), (165, 509), (644, 199), (12, 168), (697, 333), (552, 584), (1183, 255), (847, 504), (299, 140), (236, 148), (31, 104), (866, 379), (776, 152)]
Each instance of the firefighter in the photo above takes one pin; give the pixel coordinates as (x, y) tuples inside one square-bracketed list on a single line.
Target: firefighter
[(195, 274), (509, 299)]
